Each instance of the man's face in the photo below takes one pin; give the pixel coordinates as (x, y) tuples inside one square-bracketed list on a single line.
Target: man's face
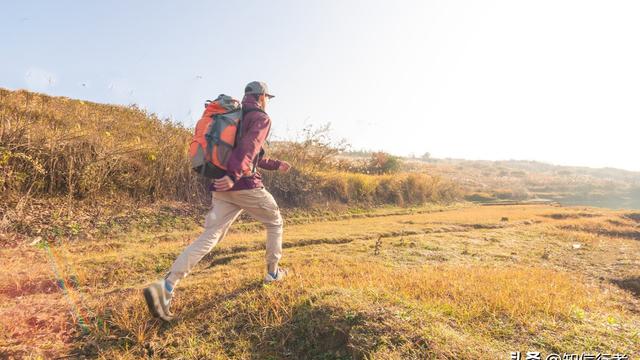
[(263, 101)]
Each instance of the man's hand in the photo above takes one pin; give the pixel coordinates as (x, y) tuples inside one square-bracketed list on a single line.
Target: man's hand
[(223, 184), (284, 166)]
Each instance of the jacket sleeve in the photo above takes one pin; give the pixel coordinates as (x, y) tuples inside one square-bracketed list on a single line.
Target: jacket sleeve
[(249, 145), (269, 164)]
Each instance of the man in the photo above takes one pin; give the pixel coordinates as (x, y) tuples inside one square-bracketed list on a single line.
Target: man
[(232, 194)]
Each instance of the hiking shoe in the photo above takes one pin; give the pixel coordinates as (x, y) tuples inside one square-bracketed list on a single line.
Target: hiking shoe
[(158, 300), (279, 276)]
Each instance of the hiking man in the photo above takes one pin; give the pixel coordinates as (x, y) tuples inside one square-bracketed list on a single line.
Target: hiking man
[(232, 194)]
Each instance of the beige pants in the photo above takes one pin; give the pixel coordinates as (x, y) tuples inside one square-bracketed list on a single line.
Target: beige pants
[(227, 206)]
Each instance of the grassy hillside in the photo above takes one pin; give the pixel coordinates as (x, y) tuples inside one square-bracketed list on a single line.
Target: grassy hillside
[(67, 167), (59, 146), (464, 282)]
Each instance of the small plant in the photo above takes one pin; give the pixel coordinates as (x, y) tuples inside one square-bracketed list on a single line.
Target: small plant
[(378, 246), (546, 254)]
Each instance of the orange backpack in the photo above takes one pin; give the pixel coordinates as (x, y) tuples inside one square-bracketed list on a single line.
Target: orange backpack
[(215, 136)]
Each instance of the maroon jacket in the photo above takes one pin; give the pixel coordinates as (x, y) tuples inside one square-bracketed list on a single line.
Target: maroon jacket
[(255, 126)]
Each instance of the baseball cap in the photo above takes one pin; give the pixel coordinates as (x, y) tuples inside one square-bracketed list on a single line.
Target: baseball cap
[(257, 87)]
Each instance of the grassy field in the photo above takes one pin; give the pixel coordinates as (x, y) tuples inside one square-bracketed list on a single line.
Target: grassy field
[(461, 281)]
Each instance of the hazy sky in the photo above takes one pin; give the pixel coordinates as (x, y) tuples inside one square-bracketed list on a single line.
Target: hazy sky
[(555, 81)]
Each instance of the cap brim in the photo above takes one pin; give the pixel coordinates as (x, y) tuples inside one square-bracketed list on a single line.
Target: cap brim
[(270, 96)]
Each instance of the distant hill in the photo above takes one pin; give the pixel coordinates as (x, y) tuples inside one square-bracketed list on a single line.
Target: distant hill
[(485, 180)]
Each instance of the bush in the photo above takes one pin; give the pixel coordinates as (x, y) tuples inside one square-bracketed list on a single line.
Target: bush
[(389, 191), (401, 189), (503, 194), (297, 188), (361, 188), (335, 188), (314, 151), (480, 197), (383, 163), (416, 189)]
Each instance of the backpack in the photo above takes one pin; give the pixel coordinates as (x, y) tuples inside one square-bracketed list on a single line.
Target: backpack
[(215, 135)]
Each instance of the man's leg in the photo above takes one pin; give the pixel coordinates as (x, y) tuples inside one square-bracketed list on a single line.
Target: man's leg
[(216, 224), (261, 205), (158, 294)]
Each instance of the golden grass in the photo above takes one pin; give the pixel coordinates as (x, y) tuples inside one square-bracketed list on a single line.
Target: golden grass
[(457, 283)]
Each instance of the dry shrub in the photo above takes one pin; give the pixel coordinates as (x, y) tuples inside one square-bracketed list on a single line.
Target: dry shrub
[(321, 177), (417, 188), (314, 150), (383, 163), (389, 190), (305, 188), (336, 188), (400, 189), (480, 197), (361, 188), (296, 188)]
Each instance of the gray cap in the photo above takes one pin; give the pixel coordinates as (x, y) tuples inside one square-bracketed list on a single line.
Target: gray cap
[(257, 87)]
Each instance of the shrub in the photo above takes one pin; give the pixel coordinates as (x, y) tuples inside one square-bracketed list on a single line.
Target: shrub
[(297, 188), (335, 188), (389, 191), (383, 163), (417, 188), (314, 151), (503, 194), (400, 189), (361, 188), (480, 197)]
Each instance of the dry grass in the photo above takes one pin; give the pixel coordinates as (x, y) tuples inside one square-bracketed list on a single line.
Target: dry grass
[(66, 165), (453, 283), (82, 149)]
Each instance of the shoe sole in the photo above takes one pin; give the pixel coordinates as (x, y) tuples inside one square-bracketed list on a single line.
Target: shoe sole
[(151, 304), (267, 282)]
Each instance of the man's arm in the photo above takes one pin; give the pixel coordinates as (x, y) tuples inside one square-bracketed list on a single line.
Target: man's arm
[(269, 164)]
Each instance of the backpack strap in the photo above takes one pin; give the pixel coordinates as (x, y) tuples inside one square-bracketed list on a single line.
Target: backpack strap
[(239, 135), (245, 112)]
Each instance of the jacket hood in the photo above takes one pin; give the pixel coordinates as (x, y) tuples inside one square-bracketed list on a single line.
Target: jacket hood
[(249, 102)]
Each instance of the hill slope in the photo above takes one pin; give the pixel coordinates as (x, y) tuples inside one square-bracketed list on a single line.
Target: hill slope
[(66, 166), (59, 146)]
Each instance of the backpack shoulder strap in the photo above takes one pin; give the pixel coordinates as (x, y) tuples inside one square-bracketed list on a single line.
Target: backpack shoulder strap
[(252, 110), (239, 135), (245, 112)]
